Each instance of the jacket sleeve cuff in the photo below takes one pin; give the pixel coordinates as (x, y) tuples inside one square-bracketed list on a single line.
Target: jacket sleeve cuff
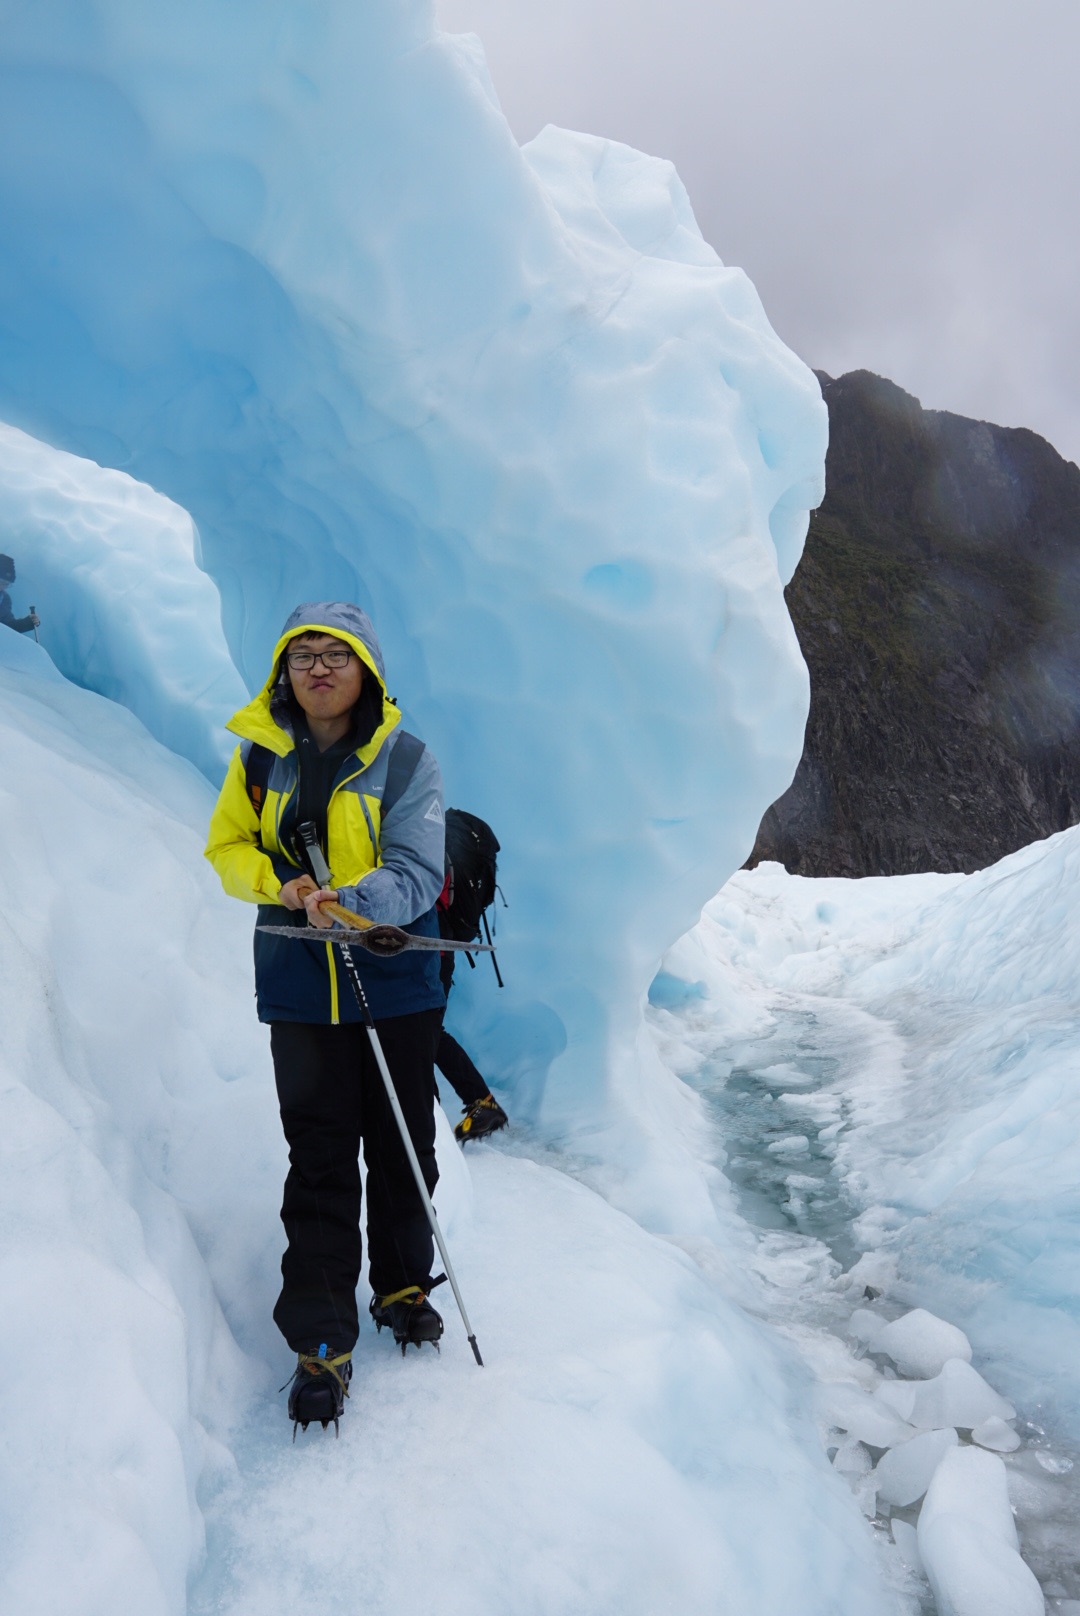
[(283, 869)]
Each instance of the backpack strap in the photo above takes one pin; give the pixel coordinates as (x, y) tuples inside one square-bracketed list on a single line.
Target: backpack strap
[(257, 765), (400, 769)]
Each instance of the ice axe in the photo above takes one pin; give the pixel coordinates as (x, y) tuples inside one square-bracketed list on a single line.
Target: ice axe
[(321, 871), (33, 613)]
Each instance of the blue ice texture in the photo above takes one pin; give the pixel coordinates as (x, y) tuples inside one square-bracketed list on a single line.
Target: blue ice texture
[(286, 266)]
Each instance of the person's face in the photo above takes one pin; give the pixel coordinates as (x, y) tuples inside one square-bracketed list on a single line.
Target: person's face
[(321, 691)]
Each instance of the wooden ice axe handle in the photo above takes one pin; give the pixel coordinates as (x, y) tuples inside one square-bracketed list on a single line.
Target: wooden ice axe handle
[(345, 917)]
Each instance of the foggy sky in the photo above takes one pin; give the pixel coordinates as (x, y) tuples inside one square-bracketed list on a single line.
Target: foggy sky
[(900, 181)]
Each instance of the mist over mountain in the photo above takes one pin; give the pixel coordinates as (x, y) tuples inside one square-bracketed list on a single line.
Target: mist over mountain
[(938, 608)]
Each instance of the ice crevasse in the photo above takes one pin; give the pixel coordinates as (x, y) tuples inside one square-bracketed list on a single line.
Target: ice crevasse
[(286, 265)]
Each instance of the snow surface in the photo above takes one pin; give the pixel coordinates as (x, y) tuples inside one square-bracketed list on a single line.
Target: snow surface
[(637, 1442), (301, 280)]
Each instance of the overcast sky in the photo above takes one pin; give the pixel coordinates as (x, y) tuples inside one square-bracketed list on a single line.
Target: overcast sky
[(900, 181)]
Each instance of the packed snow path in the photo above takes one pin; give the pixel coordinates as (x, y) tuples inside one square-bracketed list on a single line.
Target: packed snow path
[(796, 1083)]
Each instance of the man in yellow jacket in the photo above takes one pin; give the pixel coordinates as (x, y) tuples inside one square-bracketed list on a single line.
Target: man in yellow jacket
[(321, 744)]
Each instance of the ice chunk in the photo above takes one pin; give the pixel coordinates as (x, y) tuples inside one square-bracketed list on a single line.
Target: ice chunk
[(865, 1327), (899, 1397), (852, 1459), (784, 1076), (968, 1542), (920, 1344), (793, 1144), (850, 1409), (996, 1435), (866, 1495), (904, 1473), (1054, 1464), (907, 1542), (875, 1271), (958, 1396)]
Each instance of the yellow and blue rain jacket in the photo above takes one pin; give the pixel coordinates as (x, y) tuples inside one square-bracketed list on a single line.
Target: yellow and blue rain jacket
[(390, 870)]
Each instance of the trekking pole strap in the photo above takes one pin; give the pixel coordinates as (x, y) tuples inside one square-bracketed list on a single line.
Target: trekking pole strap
[(491, 945)]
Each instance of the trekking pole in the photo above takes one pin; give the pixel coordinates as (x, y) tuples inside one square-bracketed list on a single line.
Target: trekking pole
[(322, 874), (33, 613), (410, 1150)]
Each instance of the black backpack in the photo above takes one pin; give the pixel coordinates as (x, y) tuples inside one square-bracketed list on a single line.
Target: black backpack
[(471, 853)]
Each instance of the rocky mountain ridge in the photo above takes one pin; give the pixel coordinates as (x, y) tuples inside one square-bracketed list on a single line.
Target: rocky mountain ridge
[(938, 607)]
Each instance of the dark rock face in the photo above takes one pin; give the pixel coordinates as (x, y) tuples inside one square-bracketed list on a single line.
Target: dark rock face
[(938, 609)]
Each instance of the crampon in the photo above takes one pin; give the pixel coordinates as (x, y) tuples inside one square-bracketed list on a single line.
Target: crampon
[(410, 1315), (480, 1118), (318, 1389)]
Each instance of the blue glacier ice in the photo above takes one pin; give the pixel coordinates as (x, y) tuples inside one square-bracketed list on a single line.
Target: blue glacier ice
[(285, 265), (129, 613)]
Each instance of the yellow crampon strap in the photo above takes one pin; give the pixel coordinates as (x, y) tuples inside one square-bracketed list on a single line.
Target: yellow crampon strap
[(312, 1363), (410, 1293)]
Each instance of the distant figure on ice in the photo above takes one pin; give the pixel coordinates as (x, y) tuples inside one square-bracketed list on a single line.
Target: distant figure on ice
[(321, 743), (21, 625)]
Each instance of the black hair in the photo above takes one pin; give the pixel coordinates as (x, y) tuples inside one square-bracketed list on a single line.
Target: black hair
[(7, 570)]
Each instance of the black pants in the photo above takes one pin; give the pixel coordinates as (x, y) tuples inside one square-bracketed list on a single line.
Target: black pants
[(332, 1098)]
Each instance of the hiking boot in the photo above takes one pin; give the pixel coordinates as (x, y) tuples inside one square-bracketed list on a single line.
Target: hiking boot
[(319, 1388), (410, 1315), (482, 1117)]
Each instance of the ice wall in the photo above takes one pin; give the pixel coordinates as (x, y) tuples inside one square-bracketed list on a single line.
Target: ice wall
[(286, 265), (128, 614)]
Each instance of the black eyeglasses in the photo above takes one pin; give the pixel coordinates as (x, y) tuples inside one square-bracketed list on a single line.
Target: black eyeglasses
[(336, 657)]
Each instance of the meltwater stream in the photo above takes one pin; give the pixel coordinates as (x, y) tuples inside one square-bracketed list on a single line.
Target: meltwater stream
[(779, 1106), (781, 1102)]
